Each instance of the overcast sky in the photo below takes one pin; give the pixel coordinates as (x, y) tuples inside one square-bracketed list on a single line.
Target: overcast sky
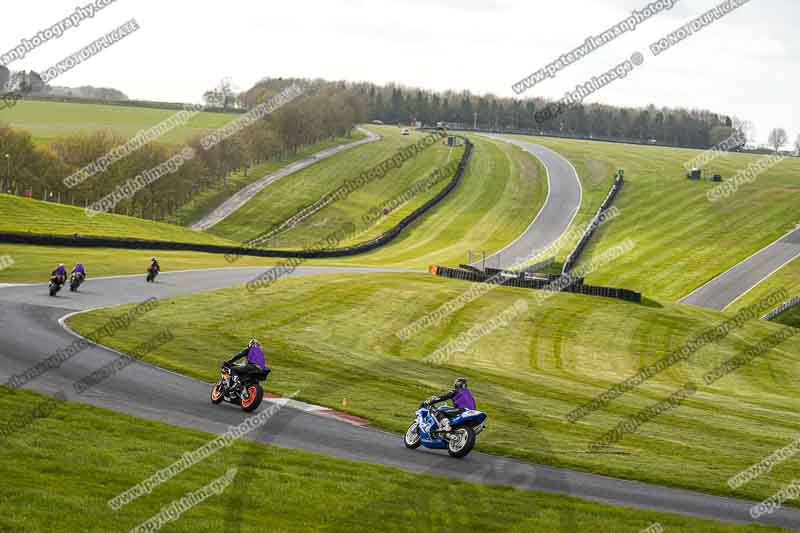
[(744, 64)]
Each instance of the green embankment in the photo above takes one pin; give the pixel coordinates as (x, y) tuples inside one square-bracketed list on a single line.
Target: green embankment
[(682, 239), (340, 331), (59, 473)]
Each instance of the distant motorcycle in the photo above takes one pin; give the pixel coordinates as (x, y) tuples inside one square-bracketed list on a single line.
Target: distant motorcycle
[(55, 285), (75, 281), (458, 440), (247, 394), (151, 275)]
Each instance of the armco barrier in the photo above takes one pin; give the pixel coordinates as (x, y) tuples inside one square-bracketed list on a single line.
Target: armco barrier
[(541, 284), (772, 315), (573, 257), (140, 244)]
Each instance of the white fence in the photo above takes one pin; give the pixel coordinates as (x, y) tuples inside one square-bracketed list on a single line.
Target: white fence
[(772, 315)]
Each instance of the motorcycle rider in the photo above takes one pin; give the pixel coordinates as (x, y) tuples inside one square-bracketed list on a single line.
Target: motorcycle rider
[(79, 269), (59, 275), (462, 400), (154, 266), (256, 364)]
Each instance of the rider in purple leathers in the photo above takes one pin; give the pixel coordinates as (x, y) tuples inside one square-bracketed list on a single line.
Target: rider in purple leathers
[(79, 269), (462, 400), (256, 362), (60, 273)]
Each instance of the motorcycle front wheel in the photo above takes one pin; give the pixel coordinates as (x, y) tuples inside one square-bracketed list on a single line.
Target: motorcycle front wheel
[(461, 442), (216, 394), (412, 438)]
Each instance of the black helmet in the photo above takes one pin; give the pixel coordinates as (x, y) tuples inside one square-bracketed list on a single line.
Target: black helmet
[(460, 383), (253, 342)]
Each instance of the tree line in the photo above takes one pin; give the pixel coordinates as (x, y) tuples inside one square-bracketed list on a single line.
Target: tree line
[(327, 110), (669, 126), (324, 112)]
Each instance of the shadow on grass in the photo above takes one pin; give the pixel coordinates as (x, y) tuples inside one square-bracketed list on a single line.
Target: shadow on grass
[(647, 302)]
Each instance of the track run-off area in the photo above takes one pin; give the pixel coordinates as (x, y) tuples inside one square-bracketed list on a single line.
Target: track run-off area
[(153, 393)]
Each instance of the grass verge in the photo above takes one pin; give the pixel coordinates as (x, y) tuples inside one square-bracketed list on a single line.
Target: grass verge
[(33, 216), (59, 473), (682, 239), (561, 353)]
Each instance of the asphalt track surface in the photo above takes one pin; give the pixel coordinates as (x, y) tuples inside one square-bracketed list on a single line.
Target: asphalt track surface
[(731, 285), (30, 332), (563, 201), (247, 193)]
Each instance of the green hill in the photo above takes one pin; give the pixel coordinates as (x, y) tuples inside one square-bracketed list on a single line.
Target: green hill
[(48, 120), (334, 338), (682, 239), (34, 216)]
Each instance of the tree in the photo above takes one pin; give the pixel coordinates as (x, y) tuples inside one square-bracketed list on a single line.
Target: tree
[(797, 146), (778, 138), (5, 76), (719, 134)]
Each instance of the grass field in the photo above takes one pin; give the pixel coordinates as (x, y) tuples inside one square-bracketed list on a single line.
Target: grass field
[(340, 331), (790, 317), (500, 194), (49, 120), (682, 239), (34, 216), (206, 201), (59, 473), (498, 197), (286, 197)]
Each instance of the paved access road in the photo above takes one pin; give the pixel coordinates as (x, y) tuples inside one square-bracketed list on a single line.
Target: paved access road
[(729, 286), (30, 332), (247, 193)]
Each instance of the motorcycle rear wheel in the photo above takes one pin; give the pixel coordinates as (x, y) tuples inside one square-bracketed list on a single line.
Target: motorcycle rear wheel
[(461, 442), (412, 439)]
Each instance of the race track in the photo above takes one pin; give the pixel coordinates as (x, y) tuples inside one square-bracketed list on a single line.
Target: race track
[(563, 201), (731, 285), (30, 332)]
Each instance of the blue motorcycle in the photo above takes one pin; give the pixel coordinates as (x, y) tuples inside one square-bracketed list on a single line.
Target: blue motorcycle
[(458, 438)]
